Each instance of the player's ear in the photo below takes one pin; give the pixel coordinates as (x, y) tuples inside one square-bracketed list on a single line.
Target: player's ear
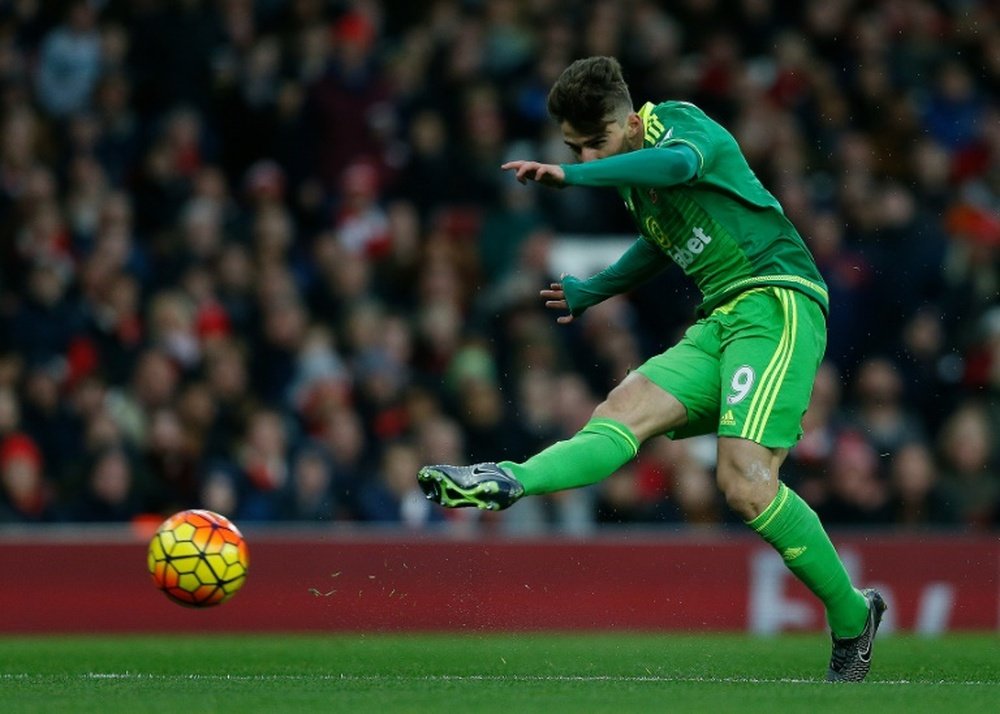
[(633, 126)]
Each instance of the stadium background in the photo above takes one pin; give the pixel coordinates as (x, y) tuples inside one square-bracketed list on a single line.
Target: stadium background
[(258, 257)]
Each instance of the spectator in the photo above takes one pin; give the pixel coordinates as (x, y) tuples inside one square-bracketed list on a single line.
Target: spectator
[(918, 499), (10, 412), (362, 225), (70, 61), (970, 484), (219, 490), (27, 495), (263, 459), (309, 493), (881, 415), (808, 461), (152, 386), (44, 324), (118, 143), (171, 463), (392, 496), (857, 494), (46, 419), (343, 436), (227, 384), (171, 321), (111, 492), (953, 113), (351, 93)]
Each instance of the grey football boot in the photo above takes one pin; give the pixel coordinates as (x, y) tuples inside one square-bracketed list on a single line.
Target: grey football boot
[(486, 486), (852, 658)]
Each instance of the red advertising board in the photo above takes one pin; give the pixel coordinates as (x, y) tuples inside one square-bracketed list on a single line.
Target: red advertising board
[(399, 582)]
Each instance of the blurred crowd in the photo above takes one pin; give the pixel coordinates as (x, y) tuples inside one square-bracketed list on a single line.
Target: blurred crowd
[(258, 256)]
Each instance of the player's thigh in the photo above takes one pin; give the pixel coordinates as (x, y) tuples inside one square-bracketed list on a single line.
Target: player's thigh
[(689, 371), (773, 342), (643, 406)]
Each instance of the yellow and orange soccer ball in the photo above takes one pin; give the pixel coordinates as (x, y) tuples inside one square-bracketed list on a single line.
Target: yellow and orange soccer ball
[(198, 558)]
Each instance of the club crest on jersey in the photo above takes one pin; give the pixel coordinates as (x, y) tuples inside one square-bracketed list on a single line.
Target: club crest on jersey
[(653, 196)]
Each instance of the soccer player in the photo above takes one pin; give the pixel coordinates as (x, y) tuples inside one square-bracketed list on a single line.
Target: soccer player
[(744, 370)]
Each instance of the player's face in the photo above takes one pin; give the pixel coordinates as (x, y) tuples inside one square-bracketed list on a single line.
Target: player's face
[(617, 137)]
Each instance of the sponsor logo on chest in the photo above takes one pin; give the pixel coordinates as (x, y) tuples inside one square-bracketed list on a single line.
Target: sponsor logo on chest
[(685, 254)]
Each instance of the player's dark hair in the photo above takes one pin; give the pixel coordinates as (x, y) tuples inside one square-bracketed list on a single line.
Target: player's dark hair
[(589, 93)]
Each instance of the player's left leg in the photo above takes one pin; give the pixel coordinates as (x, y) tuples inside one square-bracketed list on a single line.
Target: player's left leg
[(774, 341), (748, 476)]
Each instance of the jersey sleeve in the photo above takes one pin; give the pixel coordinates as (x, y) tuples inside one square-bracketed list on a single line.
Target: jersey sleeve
[(667, 166)]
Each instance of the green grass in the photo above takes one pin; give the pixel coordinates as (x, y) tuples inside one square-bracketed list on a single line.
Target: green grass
[(489, 673)]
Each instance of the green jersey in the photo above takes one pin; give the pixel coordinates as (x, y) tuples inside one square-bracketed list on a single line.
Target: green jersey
[(722, 227)]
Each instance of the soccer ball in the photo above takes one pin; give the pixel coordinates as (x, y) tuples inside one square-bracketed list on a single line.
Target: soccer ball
[(198, 558)]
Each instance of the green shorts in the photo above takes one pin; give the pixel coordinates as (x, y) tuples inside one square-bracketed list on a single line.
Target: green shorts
[(747, 369)]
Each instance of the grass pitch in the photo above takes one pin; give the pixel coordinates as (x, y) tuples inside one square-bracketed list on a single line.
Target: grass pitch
[(489, 673)]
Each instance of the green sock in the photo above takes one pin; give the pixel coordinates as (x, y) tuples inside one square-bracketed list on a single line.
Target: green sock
[(592, 454), (795, 531)]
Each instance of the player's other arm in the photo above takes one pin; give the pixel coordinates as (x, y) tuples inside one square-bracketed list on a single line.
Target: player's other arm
[(640, 262), (646, 168)]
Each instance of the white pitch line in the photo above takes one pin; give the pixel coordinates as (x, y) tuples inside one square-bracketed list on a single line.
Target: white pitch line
[(514, 678)]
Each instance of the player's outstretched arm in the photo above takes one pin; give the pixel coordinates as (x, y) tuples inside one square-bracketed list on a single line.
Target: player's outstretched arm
[(546, 174), (652, 167)]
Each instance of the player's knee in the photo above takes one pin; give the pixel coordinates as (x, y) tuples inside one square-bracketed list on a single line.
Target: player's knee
[(748, 487), (740, 502)]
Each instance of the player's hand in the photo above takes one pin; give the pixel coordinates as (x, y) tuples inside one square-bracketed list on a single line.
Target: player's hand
[(555, 298), (546, 174)]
